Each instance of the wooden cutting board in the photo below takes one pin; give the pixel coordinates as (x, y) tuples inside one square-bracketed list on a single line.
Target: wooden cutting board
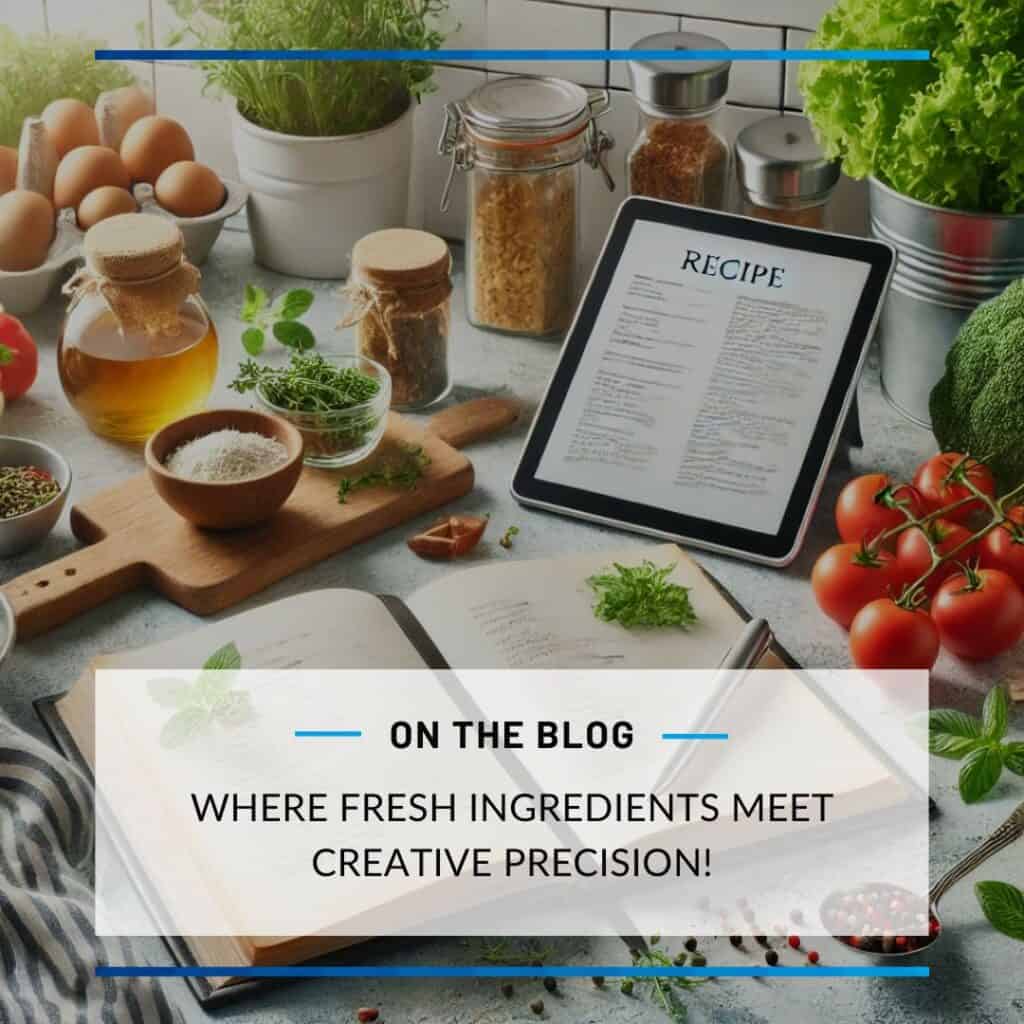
[(135, 540)]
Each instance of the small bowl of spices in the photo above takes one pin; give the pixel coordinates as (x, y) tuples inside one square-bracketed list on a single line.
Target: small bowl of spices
[(34, 483), (225, 469)]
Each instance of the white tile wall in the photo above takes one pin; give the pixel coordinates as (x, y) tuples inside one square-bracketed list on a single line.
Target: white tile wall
[(121, 24), (798, 13), (756, 83), (796, 39), (628, 28), (465, 27)]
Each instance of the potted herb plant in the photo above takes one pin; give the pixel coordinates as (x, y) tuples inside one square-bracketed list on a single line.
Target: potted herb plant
[(324, 146), (940, 142)]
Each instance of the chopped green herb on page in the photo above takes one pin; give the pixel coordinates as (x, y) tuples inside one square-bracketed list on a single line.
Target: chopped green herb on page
[(642, 595)]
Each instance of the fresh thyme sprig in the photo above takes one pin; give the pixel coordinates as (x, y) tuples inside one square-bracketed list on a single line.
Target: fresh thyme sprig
[(310, 383), (642, 596), (402, 472)]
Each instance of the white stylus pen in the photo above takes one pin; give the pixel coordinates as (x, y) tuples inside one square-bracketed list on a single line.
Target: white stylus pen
[(749, 648)]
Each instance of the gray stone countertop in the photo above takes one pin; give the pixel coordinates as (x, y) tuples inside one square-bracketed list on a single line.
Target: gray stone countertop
[(977, 974)]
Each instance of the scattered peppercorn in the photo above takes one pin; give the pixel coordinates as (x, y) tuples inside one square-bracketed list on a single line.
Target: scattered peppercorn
[(761, 940), (771, 958), (367, 1013), (508, 990), (736, 940), (691, 945), (550, 984), (679, 960), (25, 488), (626, 988), (794, 941), (537, 1006), (598, 981), (813, 956), (699, 960)]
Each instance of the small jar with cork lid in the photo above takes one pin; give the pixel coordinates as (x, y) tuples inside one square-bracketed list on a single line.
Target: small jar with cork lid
[(399, 294), (783, 174), (137, 349), (681, 154)]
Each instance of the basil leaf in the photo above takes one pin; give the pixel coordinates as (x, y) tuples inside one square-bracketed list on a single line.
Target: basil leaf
[(252, 340), (226, 657), (234, 709), (254, 303), (180, 728), (995, 713), (945, 744), (980, 772), (294, 303), (294, 335), (168, 692), (1013, 757), (1003, 905), (954, 722)]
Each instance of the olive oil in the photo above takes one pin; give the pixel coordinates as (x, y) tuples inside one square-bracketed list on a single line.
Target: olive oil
[(128, 384)]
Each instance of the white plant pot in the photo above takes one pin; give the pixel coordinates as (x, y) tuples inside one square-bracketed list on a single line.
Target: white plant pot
[(312, 199)]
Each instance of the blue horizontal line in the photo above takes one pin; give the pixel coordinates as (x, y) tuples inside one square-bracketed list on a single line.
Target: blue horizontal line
[(344, 733), (694, 735), (514, 55), (596, 970)]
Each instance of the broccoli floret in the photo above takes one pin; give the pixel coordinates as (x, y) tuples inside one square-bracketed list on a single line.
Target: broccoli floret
[(978, 406)]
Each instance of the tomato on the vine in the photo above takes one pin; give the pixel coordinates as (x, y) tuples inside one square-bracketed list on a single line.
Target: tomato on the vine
[(1003, 548), (915, 557), (19, 359), (885, 635), (938, 492), (848, 576), (979, 613), (871, 504)]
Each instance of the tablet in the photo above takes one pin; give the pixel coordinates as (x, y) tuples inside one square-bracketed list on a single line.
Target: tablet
[(705, 380)]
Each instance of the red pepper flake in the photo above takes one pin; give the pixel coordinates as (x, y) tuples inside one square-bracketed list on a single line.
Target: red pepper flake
[(794, 941), (450, 538), (813, 956), (365, 1014)]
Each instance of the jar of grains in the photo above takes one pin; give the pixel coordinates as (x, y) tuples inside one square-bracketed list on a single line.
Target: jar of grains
[(783, 174), (399, 295), (521, 141), (680, 154)]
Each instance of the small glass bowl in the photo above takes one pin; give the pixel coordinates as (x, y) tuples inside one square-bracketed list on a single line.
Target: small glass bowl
[(344, 436)]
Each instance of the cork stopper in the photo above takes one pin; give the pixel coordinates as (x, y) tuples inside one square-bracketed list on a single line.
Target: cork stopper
[(133, 247), (398, 258)]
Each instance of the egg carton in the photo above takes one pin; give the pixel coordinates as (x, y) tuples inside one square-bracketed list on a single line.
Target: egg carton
[(24, 291)]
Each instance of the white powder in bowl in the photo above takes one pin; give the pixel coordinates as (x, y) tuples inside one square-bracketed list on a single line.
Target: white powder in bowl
[(226, 455)]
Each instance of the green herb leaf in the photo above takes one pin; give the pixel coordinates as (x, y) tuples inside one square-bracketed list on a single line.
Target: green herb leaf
[(402, 473), (1003, 905), (183, 726), (945, 744), (505, 540), (218, 675), (995, 714), (956, 723), (641, 596), (1013, 757), (294, 335), (234, 709), (252, 340), (979, 773), (294, 304), (226, 657), (254, 302), (169, 692)]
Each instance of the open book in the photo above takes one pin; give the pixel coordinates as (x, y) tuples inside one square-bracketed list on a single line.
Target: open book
[(508, 615)]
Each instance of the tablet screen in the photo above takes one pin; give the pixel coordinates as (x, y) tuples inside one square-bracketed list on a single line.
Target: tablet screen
[(704, 375)]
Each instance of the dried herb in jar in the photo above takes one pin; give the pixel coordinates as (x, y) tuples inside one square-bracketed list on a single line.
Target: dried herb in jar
[(681, 162)]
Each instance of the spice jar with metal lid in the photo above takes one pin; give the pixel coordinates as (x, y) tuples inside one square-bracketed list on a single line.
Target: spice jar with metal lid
[(399, 295), (137, 349), (783, 174), (680, 154), (521, 141)]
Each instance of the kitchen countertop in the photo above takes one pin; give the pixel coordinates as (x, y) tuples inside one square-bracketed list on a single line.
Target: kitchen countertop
[(976, 973)]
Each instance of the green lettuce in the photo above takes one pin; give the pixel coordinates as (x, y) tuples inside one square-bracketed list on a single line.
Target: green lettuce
[(948, 132)]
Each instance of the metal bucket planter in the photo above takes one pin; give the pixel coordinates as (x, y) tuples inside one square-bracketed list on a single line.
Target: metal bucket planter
[(948, 262)]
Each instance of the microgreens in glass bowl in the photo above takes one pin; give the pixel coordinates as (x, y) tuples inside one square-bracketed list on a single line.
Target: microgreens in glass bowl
[(338, 403)]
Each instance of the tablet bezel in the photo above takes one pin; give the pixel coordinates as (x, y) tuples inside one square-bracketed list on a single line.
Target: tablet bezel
[(777, 549)]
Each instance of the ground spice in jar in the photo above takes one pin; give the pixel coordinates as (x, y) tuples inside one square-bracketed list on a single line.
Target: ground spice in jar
[(400, 302), (24, 489), (681, 162), (523, 249)]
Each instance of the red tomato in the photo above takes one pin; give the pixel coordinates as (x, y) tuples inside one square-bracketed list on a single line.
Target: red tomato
[(930, 480), (915, 557), (19, 359), (1003, 548), (886, 636), (865, 507), (979, 614), (846, 577)]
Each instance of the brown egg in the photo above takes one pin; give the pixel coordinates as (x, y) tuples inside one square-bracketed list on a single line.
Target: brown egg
[(8, 168), (71, 123), (85, 169), (188, 189), (103, 202), (26, 229), (116, 111), (152, 144)]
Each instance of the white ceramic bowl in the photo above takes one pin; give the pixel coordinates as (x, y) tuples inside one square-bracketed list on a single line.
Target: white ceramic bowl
[(199, 232), (30, 528), (8, 630), (24, 291)]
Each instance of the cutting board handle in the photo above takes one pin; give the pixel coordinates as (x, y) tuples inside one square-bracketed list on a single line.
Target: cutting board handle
[(53, 594), (462, 424)]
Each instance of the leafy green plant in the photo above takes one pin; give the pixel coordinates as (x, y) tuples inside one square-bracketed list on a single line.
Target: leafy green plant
[(208, 701), (1003, 905), (665, 991), (641, 596), (978, 742), (310, 383), (36, 69), (945, 131), (316, 97), (281, 319)]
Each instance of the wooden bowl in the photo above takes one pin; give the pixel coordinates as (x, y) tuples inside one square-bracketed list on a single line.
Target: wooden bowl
[(229, 505)]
